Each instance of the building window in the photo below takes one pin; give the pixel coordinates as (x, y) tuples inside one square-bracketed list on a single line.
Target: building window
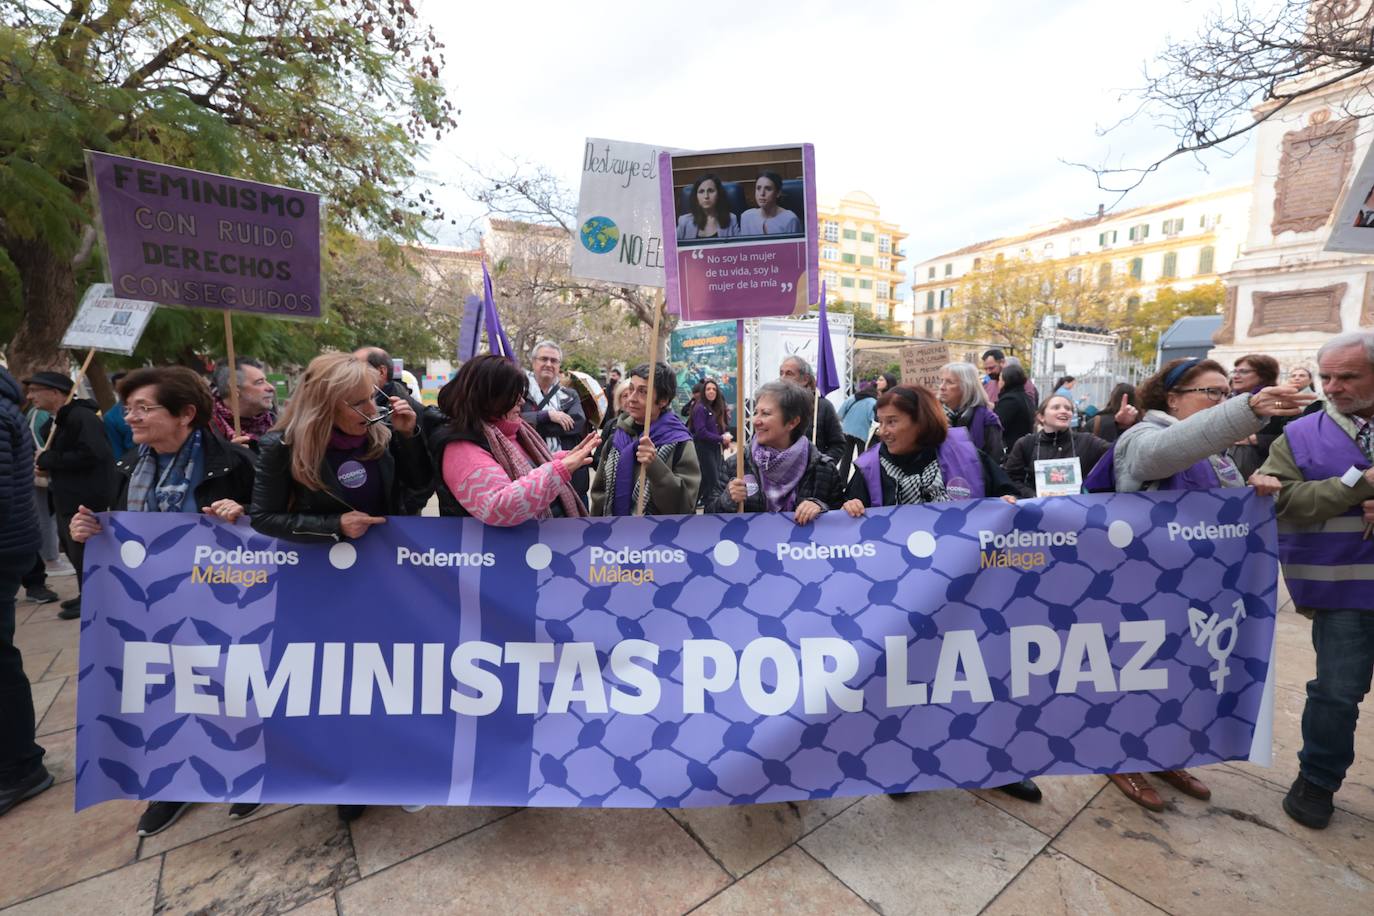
[(884, 263), (866, 237), (946, 298), (847, 258), (1170, 264), (1139, 233), (847, 282), (1106, 239), (832, 231), (1137, 268), (1075, 275), (1172, 226), (930, 300), (884, 290), (832, 278), (1075, 245), (931, 274), (885, 244), (850, 234), (1209, 220), (866, 260), (1104, 273), (865, 284), (1205, 257), (930, 327), (830, 254), (977, 263), (949, 269)]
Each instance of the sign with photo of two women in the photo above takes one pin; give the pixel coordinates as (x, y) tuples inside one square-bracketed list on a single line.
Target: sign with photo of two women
[(676, 661)]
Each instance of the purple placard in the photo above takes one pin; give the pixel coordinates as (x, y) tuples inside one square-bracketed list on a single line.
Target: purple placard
[(676, 661), (732, 267), (181, 237)]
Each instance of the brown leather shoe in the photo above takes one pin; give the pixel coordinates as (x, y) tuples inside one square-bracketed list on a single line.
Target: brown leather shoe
[(1134, 787), (1186, 783)]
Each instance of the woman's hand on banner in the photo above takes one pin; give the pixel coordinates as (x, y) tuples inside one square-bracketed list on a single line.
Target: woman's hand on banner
[(355, 524), (1009, 500), (84, 525), (225, 510), (402, 416), (1264, 484), (581, 456), (855, 508), (807, 512)]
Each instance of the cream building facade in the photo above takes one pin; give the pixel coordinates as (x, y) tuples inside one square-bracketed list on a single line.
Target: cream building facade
[(1179, 243), (861, 257)]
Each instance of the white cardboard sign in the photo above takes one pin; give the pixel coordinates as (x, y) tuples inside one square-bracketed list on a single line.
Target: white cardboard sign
[(619, 235), (104, 322), (1354, 227)]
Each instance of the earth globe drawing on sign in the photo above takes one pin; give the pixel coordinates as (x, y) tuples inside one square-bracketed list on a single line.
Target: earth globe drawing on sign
[(600, 235)]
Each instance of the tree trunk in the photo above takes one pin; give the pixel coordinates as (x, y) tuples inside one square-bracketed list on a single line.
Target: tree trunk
[(49, 306), (100, 383)]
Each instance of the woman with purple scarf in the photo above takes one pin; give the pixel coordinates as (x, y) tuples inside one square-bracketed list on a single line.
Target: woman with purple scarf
[(784, 472), (666, 449)]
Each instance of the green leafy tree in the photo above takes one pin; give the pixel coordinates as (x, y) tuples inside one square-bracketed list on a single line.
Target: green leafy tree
[(330, 97), (865, 322), (1153, 318)]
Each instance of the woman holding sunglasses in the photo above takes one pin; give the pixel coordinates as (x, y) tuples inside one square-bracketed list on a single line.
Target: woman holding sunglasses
[(331, 468), (1180, 444)]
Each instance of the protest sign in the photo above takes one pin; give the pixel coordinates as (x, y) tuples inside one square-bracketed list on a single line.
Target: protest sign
[(620, 231), (775, 339), (676, 661), (701, 351), (740, 231), (1058, 477), (180, 237), (104, 322), (1353, 229), (470, 329), (921, 364)]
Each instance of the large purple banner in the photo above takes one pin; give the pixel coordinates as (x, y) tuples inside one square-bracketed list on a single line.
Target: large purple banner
[(675, 661), (180, 237)]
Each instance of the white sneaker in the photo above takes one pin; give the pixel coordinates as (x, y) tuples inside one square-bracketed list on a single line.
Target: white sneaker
[(61, 567), (411, 809)]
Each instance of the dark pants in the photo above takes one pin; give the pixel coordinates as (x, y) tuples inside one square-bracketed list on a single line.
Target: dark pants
[(19, 755), (75, 552), (1344, 641), (37, 576), (852, 445)]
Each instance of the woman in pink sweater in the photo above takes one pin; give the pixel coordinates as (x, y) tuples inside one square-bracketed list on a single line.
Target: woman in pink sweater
[(494, 466)]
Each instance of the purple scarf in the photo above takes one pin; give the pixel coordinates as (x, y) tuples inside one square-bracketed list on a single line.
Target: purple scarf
[(668, 429), (780, 472)]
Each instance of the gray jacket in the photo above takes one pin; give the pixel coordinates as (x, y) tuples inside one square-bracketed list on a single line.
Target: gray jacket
[(1160, 446)]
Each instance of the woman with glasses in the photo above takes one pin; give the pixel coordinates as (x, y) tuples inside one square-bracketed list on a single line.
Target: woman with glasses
[(1180, 444), (1251, 373), (178, 464), (330, 469)]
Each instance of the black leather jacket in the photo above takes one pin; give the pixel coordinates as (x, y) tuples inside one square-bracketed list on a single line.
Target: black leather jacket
[(228, 474), (282, 508)]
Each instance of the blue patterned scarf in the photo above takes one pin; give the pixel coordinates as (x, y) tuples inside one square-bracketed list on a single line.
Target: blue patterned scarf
[(149, 493)]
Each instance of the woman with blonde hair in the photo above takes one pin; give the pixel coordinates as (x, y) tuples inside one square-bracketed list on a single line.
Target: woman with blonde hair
[(331, 468)]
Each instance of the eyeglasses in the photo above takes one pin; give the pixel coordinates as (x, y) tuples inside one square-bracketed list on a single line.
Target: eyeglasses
[(1241, 370), (139, 411), (383, 410), (1215, 395)]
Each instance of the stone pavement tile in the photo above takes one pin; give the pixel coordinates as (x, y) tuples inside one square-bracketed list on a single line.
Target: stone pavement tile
[(542, 860), (320, 906), (1238, 854), (384, 836), (65, 665), (792, 882), (933, 852), (741, 837), (1357, 793), (196, 823), (60, 758), (130, 891), (1055, 885), (270, 865), (1065, 796), (44, 845), (44, 692), (37, 666), (43, 632), (61, 714)]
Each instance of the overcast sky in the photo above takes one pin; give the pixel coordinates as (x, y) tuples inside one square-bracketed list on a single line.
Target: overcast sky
[(955, 117)]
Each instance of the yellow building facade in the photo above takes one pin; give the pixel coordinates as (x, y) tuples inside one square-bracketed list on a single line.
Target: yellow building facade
[(861, 257)]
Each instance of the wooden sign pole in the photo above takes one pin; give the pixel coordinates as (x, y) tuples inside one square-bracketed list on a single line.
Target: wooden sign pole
[(233, 371), (739, 405), (643, 499)]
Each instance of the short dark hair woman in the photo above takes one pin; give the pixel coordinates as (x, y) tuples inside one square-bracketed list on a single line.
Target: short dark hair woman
[(1253, 372), (179, 464), (1179, 445), (787, 472), (1120, 413), (1014, 406), (709, 422), (493, 465), (710, 215), (769, 217), (665, 448)]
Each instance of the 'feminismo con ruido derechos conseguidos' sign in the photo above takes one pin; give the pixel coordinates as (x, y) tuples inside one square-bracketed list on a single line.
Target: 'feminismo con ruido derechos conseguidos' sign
[(181, 237)]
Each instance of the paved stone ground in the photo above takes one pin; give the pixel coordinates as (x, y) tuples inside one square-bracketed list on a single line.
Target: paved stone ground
[(1085, 849)]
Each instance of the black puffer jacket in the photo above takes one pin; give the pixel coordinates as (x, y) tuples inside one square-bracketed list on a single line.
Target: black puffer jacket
[(228, 474), (820, 482), (282, 508), (18, 517), (1045, 445), (79, 460)]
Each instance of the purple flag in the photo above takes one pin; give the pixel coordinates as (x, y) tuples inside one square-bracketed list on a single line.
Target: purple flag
[(827, 379), (497, 341)]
